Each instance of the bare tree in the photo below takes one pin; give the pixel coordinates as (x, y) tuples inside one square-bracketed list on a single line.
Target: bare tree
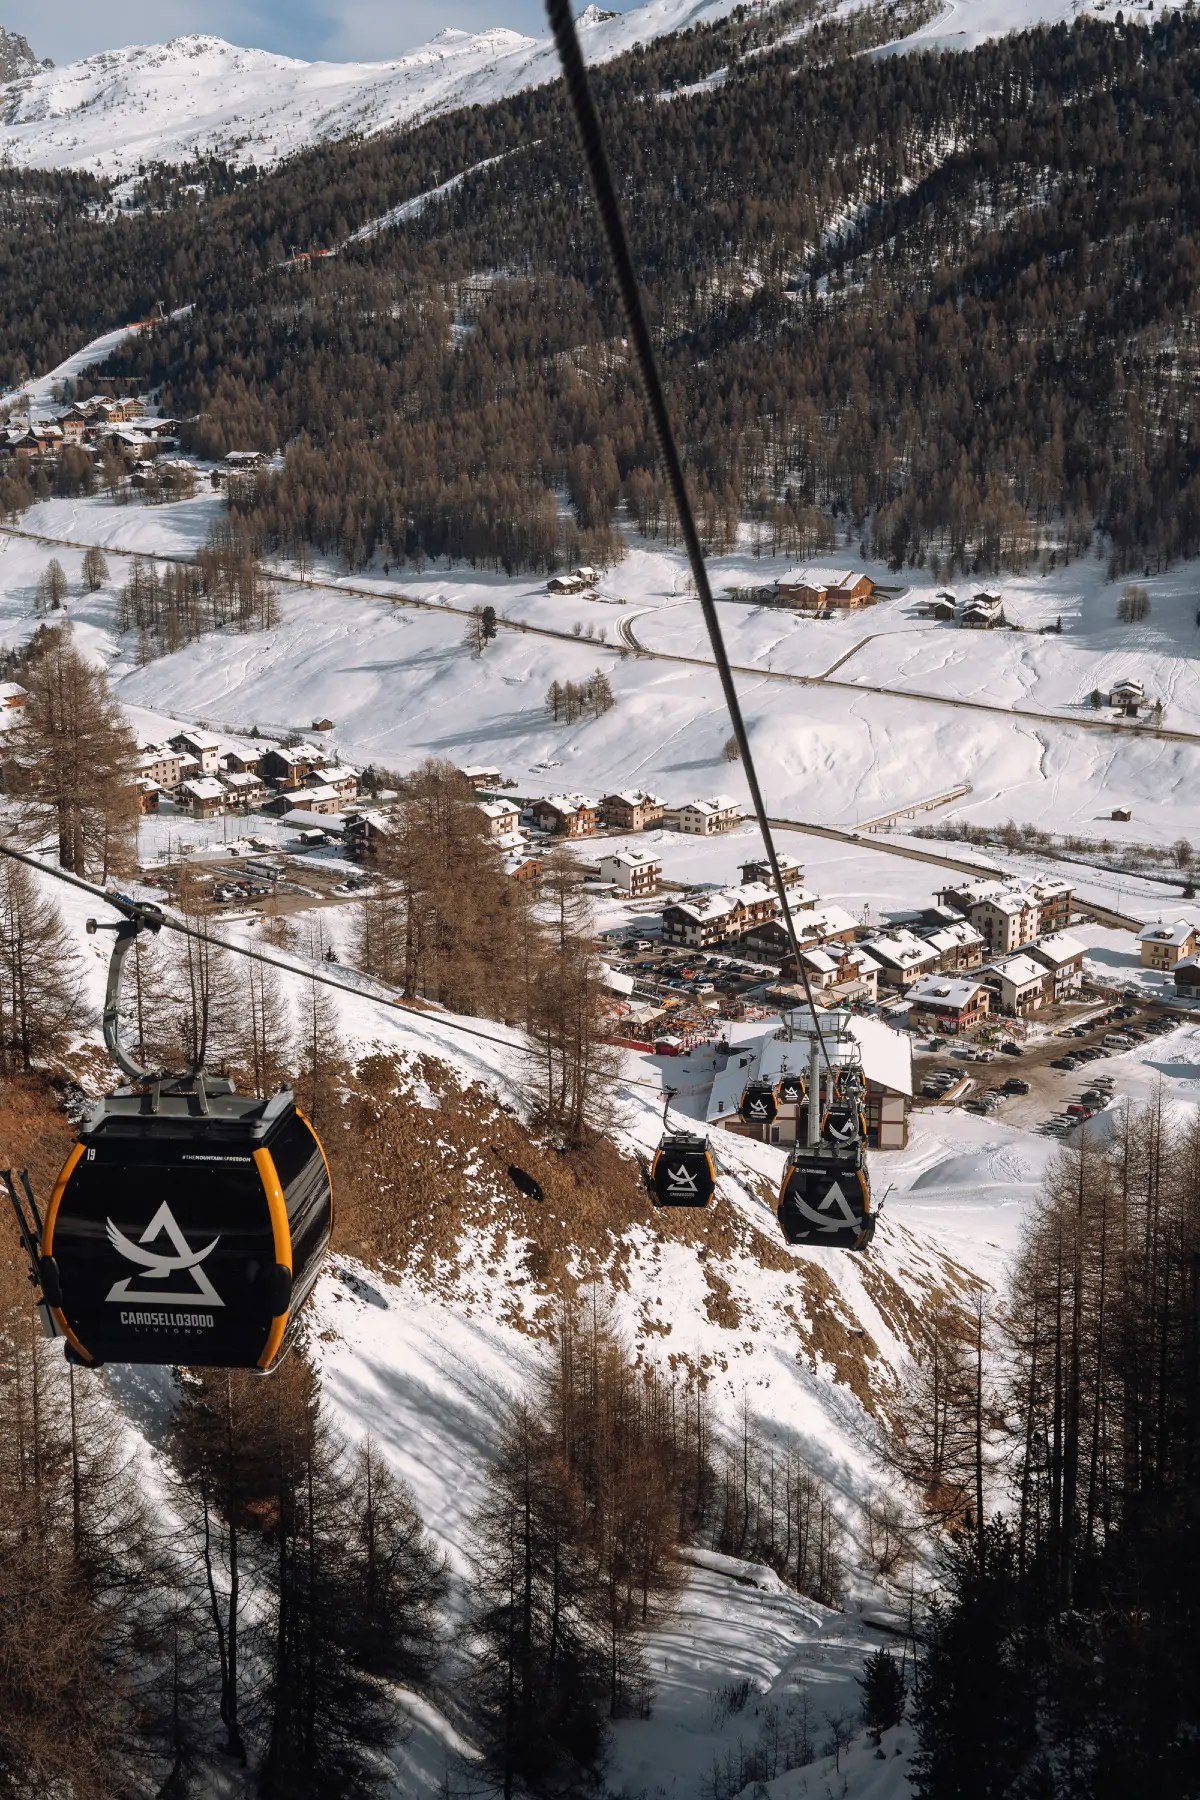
[(95, 569)]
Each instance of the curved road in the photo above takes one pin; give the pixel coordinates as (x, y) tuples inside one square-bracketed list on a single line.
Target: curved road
[(629, 642)]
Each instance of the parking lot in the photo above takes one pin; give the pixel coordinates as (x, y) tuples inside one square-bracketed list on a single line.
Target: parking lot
[(708, 980), (1051, 1089)]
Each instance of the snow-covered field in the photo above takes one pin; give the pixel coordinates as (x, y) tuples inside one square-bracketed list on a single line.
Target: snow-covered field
[(167, 102), (401, 684), (423, 1372)]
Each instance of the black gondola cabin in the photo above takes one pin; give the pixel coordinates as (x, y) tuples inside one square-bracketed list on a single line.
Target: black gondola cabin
[(759, 1104), (825, 1199), (682, 1173), (186, 1228)]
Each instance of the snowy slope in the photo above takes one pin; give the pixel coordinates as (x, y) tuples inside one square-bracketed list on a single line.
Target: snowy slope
[(165, 102)]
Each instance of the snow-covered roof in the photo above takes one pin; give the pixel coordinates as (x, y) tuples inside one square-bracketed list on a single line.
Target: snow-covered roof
[(818, 578), (634, 797), (716, 803), (1058, 948), (960, 935), (902, 950), (632, 859), (827, 921), (239, 782), (616, 979), (949, 993), (716, 905), (205, 787), (1020, 970), (494, 809), (338, 772), (1177, 934), (885, 1055), (569, 803)]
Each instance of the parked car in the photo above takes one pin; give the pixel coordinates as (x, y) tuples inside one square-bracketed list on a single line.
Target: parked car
[(1064, 1062), (1015, 1085), (1012, 1049), (985, 1056)]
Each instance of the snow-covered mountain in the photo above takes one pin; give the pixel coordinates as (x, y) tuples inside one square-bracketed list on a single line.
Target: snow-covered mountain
[(164, 102)]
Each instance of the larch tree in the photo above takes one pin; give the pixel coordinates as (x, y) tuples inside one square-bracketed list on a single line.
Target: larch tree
[(95, 569), (41, 995), (72, 762)]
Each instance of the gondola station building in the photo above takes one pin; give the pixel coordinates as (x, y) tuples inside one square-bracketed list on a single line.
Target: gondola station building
[(885, 1056)]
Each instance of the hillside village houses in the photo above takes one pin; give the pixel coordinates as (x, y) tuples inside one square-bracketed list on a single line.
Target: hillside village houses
[(205, 779), (1164, 946), (634, 872), (566, 815), (951, 1004), (632, 810), (846, 589), (501, 817), (704, 818)]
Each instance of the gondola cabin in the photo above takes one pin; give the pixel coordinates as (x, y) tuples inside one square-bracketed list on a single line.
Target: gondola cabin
[(759, 1104), (793, 1087), (682, 1173), (186, 1228), (844, 1124), (825, 1199)]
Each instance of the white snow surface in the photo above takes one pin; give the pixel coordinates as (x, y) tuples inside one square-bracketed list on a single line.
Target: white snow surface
[(167, 102)]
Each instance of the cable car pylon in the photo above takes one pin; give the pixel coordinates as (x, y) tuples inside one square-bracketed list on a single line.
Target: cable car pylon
[(188, 1223), (825, 1194)]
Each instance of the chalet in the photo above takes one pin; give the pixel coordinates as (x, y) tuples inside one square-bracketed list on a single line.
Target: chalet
[(12, 696), (205, 748), (288, 767), (948, 1003), (1187, 977), (704, 818), (635, 872), (902, 958), (1063, 956), (519, 866), (822, 926), (245, 461), (1128, 695), (365, 831), (575, 583), (204, 796), (244, 789), (982, 613), (148, 794), (958, 946), (713, 918), (321, 725), (242, 762), (73, 424), (156, 762), (884, 1055), (317, 800), (1019, 985), (339, 776), (845, 589), (500, 817), (943, 606), (482, 776), (566, 815), (1122, 814), (1163, 946), (760, 870), (632, 810)]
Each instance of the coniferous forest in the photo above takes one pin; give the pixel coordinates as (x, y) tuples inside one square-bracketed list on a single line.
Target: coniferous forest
[(945, 302)]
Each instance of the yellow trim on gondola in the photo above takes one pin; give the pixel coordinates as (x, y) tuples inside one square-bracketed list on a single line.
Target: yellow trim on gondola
[(264, 1162), (325, 1160), (60, 1188)]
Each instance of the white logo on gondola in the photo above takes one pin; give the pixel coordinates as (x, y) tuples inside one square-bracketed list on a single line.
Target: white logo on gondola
[(757, 1109), (155, 1267), (678, 1180), (820, 1216)]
